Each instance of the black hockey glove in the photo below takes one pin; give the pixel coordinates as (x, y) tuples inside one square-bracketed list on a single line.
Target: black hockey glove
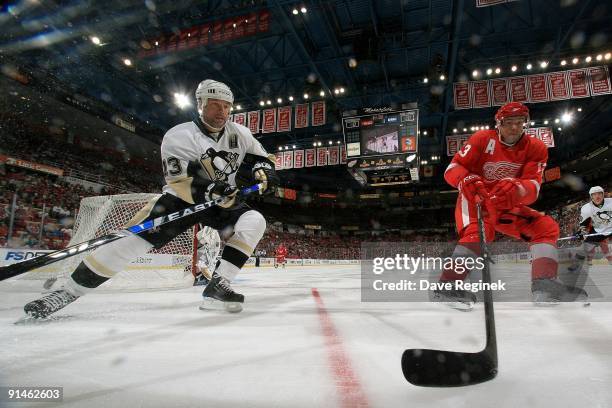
[(264, 172), (218, 189)]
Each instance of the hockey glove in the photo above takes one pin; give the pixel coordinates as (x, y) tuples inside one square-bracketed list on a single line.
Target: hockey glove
[(507, 194), (580, 234), (264, 172), (472, 186), (221, 189)]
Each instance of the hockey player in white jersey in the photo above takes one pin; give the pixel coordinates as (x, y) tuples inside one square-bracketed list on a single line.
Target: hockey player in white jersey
[(202, 160), (595, 225)]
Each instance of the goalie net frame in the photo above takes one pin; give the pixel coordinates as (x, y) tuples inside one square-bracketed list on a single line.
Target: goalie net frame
[(170, 267)]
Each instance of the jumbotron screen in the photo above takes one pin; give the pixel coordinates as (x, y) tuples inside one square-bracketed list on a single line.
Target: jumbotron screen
[(381, 133)]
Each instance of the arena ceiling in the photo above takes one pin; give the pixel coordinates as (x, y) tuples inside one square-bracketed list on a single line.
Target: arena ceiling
[(380, 52)]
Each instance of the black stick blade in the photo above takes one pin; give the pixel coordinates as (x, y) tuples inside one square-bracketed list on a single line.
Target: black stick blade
[(438, 368)]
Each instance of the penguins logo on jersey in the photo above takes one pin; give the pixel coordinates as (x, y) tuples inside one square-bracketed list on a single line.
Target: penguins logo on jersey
[(604, 216), (219, 165)]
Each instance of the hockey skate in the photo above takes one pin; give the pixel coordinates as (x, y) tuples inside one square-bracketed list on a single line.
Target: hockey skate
[(219, 295), (548, 292), (48, 304), (456, 298)]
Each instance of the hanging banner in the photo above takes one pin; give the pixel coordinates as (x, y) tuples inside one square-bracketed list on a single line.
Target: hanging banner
[(578, 83), (322, 156), (462, 95), (518, 89), (559, 88), (545, 134), (284, 119), (310, 157), (538, 91), (269, 121), (254, 121), (288, 160), (279, 161), (334, 155), (487, 3), (298, 159), (318, 113), (500, 94), (301, 116), (480, 94), (454, 143), (600, 81), (240, 118), (343, 154)]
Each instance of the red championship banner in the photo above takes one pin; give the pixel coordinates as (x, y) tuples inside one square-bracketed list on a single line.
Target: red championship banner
[(284, 119), (269, 121), (253, 121), (531, 132), (558, 85), (301, 116), (298, 159), (240, 118), (279, 161), (322, 156), (217, 29), (251, 24), (481, 98), (600, 81), (290, 194), (552, 174), (334, 155), (310, 158), (518, 89), (545, 134), (538, 91), (228, 30), (318, 113), (264, 21), (454, 143), (288, 160), (500, 92), (579, 86), (462, 95), (343, 154)]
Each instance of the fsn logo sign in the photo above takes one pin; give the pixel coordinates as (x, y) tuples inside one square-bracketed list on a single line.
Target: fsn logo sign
[(22, 255)]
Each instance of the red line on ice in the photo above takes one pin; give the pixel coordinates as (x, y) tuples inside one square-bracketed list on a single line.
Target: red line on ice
[(347, 383)]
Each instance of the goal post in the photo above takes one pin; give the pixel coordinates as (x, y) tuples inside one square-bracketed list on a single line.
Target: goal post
[(170, 267)]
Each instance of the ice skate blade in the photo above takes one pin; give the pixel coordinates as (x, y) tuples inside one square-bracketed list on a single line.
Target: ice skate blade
[(214, 304), (460, 306)]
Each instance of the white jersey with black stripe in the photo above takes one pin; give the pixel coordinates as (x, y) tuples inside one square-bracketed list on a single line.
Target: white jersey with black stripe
[(601, 217), (223, 152)]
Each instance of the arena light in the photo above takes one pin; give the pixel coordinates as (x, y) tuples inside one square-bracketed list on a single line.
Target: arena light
[(513, 68), (314, 144), (410, 158), (497, 70), (303, 10), (341, 90), (575, 60), (424, 161), (291, 98), (425, 80), (268, 102), (588, 59), (579, 109), (475, 73), (262, 103), (336, 91), (238, 107), (157, 43), (489, 71), (330, 143), (181, 100), (425, 133), (127, 62), (563, 63), (599, 57), (305, 96), (559, 129), (442, 77), (95, 40), (279, 100), (338, 142), (319, 144), (557, 120), (294, 146), (455, 130), (280, 148), (529, 66), (607, 56), (567, 117), (322, 93), (295, 12), (543, 64), (546, 122), (532, 123), (464, 129)]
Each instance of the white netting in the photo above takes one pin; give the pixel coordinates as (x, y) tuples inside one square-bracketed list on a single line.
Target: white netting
[(164, 268)]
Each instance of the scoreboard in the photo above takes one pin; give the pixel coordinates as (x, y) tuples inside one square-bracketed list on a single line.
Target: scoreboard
[(381, 133)]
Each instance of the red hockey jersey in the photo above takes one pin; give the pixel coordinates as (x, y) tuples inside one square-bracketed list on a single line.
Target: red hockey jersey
[(485, 155)]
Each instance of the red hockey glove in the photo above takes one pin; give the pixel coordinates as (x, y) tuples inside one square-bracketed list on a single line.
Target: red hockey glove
[(507, 194), (472, 186)]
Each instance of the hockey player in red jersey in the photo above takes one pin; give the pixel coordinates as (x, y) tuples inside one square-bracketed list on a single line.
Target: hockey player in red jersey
[(503, 168), (281, 254)]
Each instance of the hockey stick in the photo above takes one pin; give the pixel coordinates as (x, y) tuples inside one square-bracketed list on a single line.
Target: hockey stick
[(27, 265), (583, 236), (441, 368)]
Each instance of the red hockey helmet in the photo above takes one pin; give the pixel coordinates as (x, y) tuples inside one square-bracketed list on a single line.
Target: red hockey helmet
[(512, 109)]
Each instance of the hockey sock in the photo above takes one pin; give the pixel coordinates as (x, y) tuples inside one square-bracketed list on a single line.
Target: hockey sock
[(544, 263)]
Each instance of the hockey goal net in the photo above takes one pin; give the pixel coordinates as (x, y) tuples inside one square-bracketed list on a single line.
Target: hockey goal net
[(169, 267)]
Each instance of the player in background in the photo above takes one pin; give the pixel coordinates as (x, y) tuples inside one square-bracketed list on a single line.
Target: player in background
[(202, 160), (503, 168), (209, 246), (281, 255), (596, 221)]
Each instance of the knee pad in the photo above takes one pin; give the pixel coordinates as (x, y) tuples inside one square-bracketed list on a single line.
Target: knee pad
[(112, 258), (248, 230)]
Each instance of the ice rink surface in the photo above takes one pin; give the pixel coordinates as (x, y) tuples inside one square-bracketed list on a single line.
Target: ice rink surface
[(304, 339)]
